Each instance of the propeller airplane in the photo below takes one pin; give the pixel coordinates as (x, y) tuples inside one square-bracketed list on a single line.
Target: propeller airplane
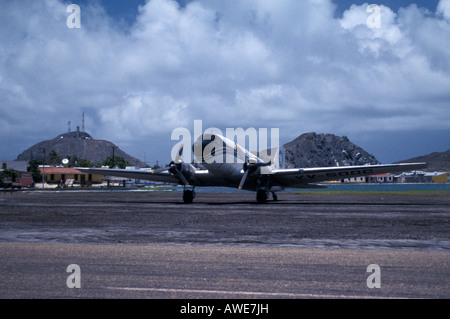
[(227, 164)]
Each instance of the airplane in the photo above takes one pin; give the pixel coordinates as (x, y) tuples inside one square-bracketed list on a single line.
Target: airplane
[(244, 171)]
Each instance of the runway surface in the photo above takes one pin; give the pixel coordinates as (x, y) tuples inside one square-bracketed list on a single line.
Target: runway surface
[(151, 245)]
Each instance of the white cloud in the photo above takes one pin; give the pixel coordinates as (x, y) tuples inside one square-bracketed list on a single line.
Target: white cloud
[(444, 8), (146, 111), (372, 39), (288, 64)]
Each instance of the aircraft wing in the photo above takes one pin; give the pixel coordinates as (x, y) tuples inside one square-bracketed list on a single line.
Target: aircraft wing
[(201, 177), (298, 177), (164, 177)]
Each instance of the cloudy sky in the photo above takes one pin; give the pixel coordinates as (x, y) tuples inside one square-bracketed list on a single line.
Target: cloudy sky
[(139, 69)]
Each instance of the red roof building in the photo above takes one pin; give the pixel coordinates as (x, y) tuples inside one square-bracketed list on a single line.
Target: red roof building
[(64, 174)]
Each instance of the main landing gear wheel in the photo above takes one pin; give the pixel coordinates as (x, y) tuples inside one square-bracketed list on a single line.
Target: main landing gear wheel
[(261, 196), (188, 196)]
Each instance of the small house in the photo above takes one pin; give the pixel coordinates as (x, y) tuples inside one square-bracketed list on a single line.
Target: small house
[(62, 174), (380, 178)]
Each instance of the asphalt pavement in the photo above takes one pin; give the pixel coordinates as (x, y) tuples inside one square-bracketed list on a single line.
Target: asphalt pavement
[(151, 245)]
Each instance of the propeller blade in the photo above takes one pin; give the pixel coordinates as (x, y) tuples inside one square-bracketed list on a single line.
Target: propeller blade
[(241, 184)]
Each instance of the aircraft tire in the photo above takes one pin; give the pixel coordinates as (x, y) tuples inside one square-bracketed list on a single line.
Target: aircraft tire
[(261, 196), (188, 196)]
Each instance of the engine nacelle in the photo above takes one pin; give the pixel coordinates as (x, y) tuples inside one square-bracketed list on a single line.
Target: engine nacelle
[(187, 170)]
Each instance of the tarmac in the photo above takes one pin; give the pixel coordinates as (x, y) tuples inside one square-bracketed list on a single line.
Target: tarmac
[(140, 244)]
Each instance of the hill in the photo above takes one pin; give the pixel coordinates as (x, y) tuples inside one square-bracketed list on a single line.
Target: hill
[(80, 144), (325, 150), (437, 161)]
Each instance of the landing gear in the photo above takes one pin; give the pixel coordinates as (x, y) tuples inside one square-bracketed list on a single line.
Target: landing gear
[(188, 195), (274, 196), (261, 196), (263, 189)]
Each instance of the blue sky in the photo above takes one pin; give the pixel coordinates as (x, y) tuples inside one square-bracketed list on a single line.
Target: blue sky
[(299, 66), (393, 4), (128, 9)]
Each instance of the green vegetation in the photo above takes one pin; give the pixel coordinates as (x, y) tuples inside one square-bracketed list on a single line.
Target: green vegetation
[(75, 161), (9, 174), (54, 158), (33, 167), (7, 178), (120, 162)]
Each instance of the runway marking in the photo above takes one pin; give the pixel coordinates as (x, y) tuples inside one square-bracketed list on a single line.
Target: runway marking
[(251, 293)]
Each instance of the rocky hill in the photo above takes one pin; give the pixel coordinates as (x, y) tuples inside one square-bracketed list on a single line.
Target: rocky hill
[(437, 161), (325, 150), (80, 144)]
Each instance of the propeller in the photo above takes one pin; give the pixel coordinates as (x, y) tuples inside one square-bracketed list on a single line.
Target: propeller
[(241, 184), (250, 168), (175, 167)]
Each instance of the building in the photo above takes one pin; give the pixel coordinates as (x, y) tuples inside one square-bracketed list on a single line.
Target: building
[(380, 178), (24, 179), (65, 174), (112, 180), (436, 177), (360, 179), (422, 177)]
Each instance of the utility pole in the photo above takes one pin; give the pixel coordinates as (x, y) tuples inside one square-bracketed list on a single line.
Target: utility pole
[(43, 170), (114, 159)]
